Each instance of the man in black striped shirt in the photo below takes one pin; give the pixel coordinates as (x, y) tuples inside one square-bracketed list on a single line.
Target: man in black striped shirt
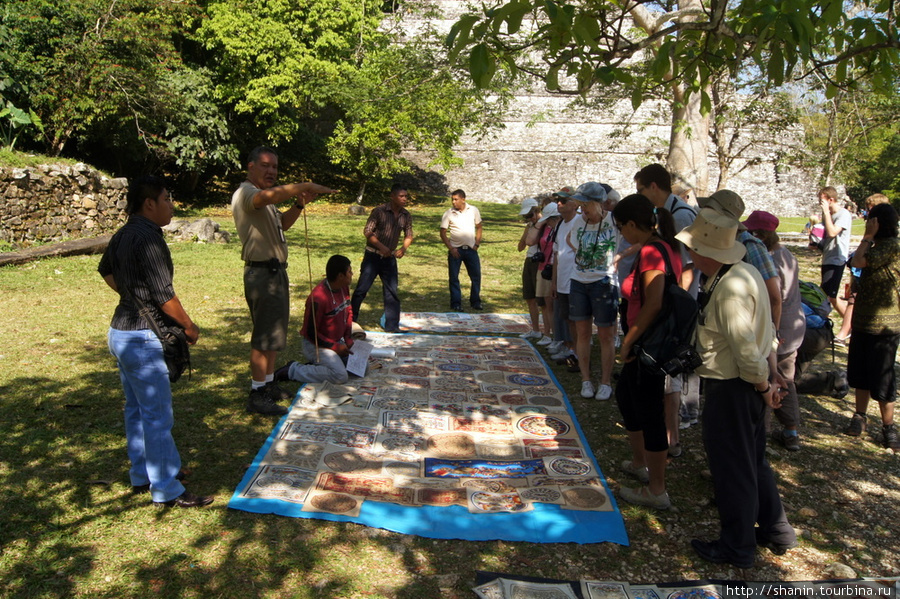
[(383, 229), (137, 264)]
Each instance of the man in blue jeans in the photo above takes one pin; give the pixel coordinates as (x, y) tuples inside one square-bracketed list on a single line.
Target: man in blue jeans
[(461, 233), (138, 266), (382, 231)]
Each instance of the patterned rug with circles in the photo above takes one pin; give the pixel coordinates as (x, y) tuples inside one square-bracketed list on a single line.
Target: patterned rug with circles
[(449, 437)]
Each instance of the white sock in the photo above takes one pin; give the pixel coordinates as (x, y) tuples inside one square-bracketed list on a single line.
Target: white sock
[(270, 377), (254, 385)]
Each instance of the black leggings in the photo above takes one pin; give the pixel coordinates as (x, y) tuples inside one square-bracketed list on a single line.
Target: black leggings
[(640, 396)]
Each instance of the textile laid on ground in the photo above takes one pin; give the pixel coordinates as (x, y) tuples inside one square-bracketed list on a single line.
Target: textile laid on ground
[(497, 586), (451, 437), (461, 322)]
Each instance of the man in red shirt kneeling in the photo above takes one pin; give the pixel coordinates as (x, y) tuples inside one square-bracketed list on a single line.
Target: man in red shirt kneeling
[(327, 325)]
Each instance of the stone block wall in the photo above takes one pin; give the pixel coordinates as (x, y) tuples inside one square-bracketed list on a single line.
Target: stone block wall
[(566, 147), (53, 202)]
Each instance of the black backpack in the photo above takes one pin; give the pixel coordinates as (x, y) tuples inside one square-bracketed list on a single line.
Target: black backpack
[(667, 346)]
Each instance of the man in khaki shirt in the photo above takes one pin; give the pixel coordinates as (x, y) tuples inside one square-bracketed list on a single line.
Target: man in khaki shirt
[(261, 226), (736, 339)]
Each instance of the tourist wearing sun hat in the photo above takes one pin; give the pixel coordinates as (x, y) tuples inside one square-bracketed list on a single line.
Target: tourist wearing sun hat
[(530, 211), (791, 325), (730, 204), (736, 339)]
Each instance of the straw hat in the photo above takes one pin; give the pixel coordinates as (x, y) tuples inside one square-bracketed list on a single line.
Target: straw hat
[(713, 235), (725, 202)]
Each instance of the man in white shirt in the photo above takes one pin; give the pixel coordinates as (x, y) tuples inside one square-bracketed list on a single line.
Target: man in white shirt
[(461, 233)]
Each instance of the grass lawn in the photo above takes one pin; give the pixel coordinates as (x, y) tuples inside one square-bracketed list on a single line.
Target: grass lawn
[(69, 526)]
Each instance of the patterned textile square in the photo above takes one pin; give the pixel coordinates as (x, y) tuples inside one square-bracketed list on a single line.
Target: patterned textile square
[(464, 322), (450, 437)]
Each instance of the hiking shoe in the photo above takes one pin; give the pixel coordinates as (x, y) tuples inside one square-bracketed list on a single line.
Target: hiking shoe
[(545, 340), (841, 386), (560, 356), (891, 440), (283, 373), (531, 335), (277, 393), (857, 425), (788, 441), (776, 548), (643, 496), (603, 393), (260, 402), (587, 390), (689, 417), (642, 474)]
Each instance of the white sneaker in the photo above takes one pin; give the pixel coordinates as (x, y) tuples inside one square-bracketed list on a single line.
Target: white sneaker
[(587, 389), (554, 347), (562, 354), (545, 340), (603, 392), (643, 496), (531, 335)]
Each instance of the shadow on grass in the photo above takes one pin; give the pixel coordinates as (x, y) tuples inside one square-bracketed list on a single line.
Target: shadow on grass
[(71, 526)]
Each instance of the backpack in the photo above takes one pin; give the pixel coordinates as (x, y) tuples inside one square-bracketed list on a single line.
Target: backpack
[(667, 346), (816, 306)]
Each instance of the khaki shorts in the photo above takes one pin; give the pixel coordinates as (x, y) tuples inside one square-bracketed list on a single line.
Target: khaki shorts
[(268, 297)]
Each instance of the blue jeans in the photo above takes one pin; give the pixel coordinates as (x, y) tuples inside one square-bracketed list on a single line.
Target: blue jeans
[(373, 266), (470, 258), (148, 412), (328, 368)]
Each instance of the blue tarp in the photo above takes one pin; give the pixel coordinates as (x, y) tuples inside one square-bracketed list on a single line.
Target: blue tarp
[(546, 523)]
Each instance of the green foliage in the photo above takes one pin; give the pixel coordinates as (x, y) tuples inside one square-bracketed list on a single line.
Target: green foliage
[(90, 67), (16, 120), (273, 57), (13, 120), (197, 135), (401, 96), (184, 87), (692, 42), (852, 138)]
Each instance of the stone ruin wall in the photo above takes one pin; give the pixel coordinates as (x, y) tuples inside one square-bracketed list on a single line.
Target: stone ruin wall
[(56, 202), (527, 158)]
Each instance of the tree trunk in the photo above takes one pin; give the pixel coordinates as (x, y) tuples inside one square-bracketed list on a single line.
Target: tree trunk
[(689, 139), (688, 143), (361, 193)]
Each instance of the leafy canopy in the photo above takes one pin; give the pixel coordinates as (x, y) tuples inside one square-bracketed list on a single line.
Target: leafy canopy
[(594, 42)]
